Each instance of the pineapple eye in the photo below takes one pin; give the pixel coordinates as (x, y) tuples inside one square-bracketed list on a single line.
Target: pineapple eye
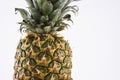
[(23, 41), (42, 37), (32, 62), (29, 62), (27, 73), (52, 76), (23, 54), (19, 45), (16, 75), (39, 68), (30, 39), (45, 45), (35, 78), (27, 43), (35, 48)]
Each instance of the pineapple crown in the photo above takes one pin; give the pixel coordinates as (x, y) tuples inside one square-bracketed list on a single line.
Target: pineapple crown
[(46, 16)]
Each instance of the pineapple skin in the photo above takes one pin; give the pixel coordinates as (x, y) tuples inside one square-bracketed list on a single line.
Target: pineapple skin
[(43, 57)]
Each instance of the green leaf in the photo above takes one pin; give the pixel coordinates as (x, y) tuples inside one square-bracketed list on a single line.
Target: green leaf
[(30, 3), (47, 7), (47, 29), (55, 28), (60, 4), (34, 12), (51, 23), (62, 26), (53, 1), (35, 4), (39, 3), (23, 23), (67, 16), (76, 0), (74, 8), (23, 26), (55, 15), (25, 15), (39, 30), (40, 25), (67, 3), (44, 18)]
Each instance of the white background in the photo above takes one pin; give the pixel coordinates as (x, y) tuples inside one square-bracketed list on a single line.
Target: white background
[(94, 38)]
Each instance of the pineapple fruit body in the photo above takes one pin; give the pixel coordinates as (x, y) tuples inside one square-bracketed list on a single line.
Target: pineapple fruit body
[(43, 57), (42, 54)]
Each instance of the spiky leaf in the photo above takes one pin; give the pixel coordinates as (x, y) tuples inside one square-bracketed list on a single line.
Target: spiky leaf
[(55, 15), (35, 4), (68, 17), (25, 15), (47, 7), (62, 26), (53, 1), (44, 18), (67, 3), (73, 9), (39, 3), (60, 4), (47, 29), (34, 12), (39, 30), (30, 3)]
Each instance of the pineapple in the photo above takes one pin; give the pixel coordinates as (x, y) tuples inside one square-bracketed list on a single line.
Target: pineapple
[(43, 54)]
